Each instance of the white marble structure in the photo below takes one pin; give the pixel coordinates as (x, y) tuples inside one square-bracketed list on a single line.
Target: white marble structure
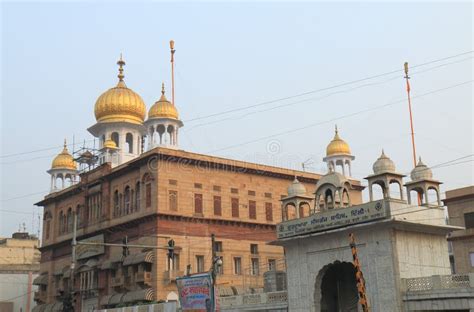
[(395, 240)]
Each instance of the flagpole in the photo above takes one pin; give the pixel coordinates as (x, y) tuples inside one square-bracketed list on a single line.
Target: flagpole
[(411, 114), (172, 70)]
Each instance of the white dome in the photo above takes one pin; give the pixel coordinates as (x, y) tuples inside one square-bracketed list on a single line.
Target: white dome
[(383, 164), (296, 188), (421, 172)]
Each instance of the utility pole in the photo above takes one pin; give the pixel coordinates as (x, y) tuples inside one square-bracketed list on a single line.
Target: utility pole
[(216, 261), (359, 276)]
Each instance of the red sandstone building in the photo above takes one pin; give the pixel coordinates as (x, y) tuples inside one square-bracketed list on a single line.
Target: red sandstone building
[(154, 194)]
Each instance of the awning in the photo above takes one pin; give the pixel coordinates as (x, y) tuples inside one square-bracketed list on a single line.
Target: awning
[(60, 270), (139, 258), (53, 307), (67, 273), (115, 299), (139, 295), (39, 308), (90, 264), (41, 280), (111, 263)]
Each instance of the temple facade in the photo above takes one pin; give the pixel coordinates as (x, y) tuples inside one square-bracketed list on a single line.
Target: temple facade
[(142, 188), (399, 239)]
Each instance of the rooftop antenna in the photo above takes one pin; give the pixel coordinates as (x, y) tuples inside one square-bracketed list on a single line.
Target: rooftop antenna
[(172, 70), (411, 115)]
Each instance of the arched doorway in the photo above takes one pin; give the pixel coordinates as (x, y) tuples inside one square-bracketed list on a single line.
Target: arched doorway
[(336, 288)]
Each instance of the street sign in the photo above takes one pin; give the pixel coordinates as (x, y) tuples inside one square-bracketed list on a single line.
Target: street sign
[(195, 293)]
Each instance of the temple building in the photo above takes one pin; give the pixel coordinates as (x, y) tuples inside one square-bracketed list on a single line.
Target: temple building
[(140, 186), (399, 257)]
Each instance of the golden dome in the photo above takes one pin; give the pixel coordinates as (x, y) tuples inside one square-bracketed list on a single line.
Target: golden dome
[(110, 144), (64, 160), (163, 108), (120, 103), (337, 146)]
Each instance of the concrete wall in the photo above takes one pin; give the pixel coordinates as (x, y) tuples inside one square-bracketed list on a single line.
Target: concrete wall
[(307, 257), (14, 286)]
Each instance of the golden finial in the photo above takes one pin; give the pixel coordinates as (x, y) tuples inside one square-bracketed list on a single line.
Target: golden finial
[(406, 69), (335, 127), (121, 63), (162, 88), (172, 46)]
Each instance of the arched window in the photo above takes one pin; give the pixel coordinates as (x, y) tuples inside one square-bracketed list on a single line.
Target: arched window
[(61, 222), (116, 203), (137, 196), (129, 142), (79, 215), (127, 199), (147, 181), (69, 220), (173, 200), (47, 221), (115, 138)]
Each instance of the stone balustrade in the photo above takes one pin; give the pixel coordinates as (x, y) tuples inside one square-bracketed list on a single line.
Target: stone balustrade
[(277, 298), (438, 282)]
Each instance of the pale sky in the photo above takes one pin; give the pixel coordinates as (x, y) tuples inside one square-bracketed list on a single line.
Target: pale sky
[(57, 58)]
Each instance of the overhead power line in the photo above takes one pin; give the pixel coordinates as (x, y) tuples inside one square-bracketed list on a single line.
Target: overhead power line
[(324, 89), (337, 118), (285, 98)]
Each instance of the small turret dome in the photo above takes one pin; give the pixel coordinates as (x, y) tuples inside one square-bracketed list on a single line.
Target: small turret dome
[(64, 160), (296, 188), (110, 144), (421, 172), (163, 108), (383, 164)]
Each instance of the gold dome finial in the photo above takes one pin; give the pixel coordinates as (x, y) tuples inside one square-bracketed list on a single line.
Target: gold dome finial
[(65, 143), (337, 145), (121, 64), (162, 88)]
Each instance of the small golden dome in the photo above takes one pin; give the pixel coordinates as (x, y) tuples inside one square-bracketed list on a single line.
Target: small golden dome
[(337, 146), (163, 108), (64, 160), (110, 144), (120, 103)]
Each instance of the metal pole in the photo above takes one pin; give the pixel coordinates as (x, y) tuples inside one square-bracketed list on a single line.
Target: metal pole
[(172, 70), (73, 260), (213, 243)]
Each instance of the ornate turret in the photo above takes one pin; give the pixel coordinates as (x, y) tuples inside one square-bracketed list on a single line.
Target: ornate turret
[(163, 123), (297, 204), (120, 113), (63, 169), (384, 175), (422, 182), (338, 154)]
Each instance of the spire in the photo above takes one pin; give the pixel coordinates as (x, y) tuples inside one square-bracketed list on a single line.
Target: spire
[(163, 96), (336, 133), (121, 64), (65, 146)]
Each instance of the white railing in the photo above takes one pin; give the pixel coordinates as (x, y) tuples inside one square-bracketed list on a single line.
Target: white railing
[(438, 282), (261, 299)]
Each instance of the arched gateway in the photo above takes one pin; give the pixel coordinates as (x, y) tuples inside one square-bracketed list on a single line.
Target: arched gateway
[(336, 288)]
